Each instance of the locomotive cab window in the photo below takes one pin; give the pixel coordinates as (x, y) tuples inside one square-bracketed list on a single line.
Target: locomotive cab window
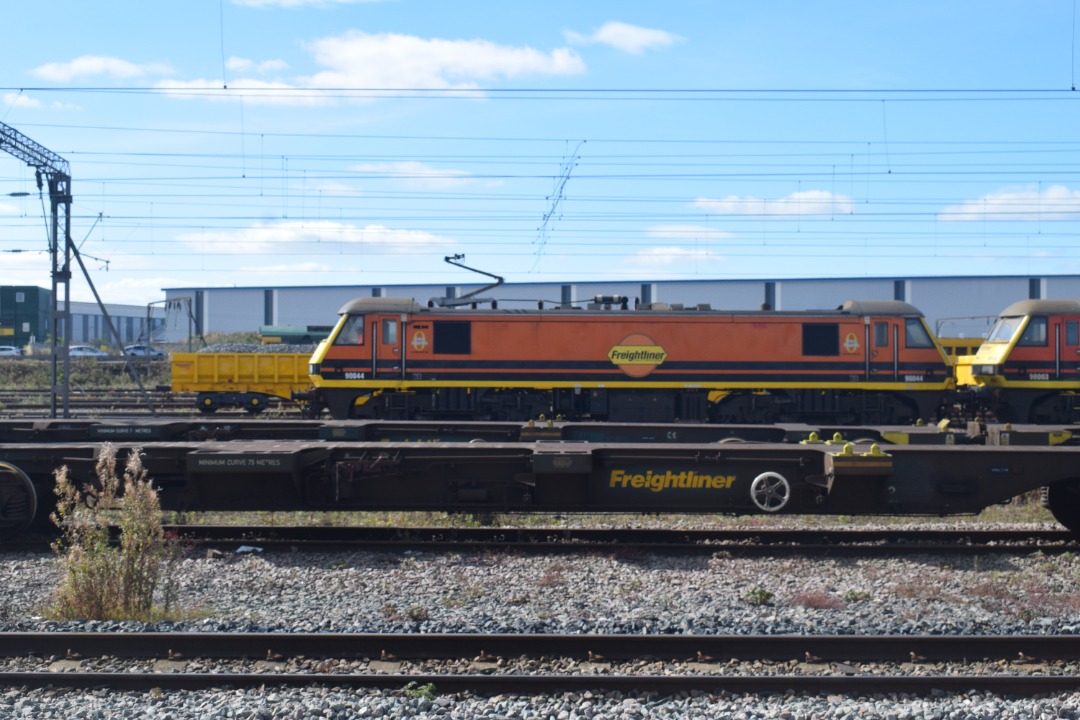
[(1003, 330), (389, 332), (452, 337), (821, 339), (1035, 332), (881, 334), (915, 334), (1072, 332), (352, 331)]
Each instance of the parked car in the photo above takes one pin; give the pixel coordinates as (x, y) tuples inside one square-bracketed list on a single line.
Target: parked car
[(143, 351), (10, 351), (86, 351)]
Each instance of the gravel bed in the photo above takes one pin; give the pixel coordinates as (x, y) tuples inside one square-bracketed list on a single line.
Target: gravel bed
[(307, 348), (333, 704), (487, 665), (602, 593)]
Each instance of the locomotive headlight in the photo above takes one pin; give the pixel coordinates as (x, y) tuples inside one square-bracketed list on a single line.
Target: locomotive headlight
[(986, 369), (313, 369)]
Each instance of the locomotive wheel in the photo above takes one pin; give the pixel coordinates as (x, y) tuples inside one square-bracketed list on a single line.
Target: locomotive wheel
[(18, 501), (1063, 499), (770, 491)]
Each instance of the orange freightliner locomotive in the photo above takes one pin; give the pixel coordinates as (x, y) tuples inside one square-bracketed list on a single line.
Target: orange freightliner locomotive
[(870, 362)]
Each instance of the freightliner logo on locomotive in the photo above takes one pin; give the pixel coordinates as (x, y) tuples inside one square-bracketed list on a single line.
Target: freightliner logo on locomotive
[(660, 480), (637, 355)]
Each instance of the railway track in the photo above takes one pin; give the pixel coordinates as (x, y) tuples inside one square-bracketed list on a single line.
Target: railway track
[(37, 402), (667, 664), (119, 402), (771, 542)]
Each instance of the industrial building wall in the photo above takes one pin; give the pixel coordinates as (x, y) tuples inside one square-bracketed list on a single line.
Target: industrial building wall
[(229, 310), (1063, 288), (825, 295), (25, 313), (88, 326), (966, 309), (719, 295), (309, 306)]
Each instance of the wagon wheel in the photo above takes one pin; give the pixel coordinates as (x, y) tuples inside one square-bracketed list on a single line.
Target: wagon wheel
[(208, 404), (770, 491), (18, 501), (254, 404)]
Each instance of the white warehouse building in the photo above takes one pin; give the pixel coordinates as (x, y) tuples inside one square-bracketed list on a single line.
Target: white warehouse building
[(958, 307)]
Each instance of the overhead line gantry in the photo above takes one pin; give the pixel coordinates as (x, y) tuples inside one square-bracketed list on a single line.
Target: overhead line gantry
[(56, 173)]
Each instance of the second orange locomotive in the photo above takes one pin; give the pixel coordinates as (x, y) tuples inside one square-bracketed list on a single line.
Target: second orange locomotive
[(863, 363)]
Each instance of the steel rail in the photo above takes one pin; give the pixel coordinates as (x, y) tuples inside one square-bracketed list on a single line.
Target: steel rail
[(771, 536), (1022, 649), (1017, 685), (862, 543)]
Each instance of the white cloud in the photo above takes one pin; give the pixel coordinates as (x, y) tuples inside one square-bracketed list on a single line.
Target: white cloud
[(271, 66), (388, 60), (93, 65), (687, 232), (130, 291), (631, 39), (20, 100), (25, 268), (805, 202), (297, 3), (321, 237), (239, 64), (1056, 202), (416, 174), (358, 60)]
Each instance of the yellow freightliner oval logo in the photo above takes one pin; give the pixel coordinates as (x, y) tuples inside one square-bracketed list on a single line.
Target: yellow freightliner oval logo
[(637, 355)]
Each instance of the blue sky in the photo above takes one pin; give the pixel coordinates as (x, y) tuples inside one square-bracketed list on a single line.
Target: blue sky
[(293, 142)]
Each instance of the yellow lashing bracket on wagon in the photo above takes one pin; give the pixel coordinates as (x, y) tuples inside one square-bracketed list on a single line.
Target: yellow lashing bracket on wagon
[(848, 462), (1060, 437)]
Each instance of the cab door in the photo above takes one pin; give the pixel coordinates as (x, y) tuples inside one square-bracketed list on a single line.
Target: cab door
[(1066, 332), (884, 336), (387, 362)]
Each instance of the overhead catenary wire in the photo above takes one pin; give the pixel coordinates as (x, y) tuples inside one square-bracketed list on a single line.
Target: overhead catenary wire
[(149, 192)]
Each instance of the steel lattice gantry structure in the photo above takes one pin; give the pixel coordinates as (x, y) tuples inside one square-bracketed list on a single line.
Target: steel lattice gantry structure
[(56, 173)]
